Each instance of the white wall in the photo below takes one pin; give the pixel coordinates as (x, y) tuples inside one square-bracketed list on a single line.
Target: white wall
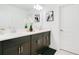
[(54, 26), (11, 16)]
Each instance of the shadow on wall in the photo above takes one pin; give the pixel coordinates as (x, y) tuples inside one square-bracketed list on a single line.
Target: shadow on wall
[(53, 41)]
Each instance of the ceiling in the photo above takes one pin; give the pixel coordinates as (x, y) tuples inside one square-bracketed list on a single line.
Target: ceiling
[(29, 7)]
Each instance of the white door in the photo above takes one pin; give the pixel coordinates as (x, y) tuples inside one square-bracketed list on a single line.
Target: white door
[(70, 28)]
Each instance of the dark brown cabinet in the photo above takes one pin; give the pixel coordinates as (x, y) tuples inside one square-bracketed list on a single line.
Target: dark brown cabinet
[(36, 43), (39, 41), (16, 46), (10, 47), (46, 39), (26, 45), (0, 48)]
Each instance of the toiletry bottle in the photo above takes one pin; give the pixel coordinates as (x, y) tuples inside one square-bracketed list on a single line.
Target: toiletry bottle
[(26, 26), (31, 29)]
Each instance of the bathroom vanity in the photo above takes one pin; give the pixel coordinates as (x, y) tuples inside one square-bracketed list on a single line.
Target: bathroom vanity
[(24, 43)]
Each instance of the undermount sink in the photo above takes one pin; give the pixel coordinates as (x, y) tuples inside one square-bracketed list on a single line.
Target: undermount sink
[(6, 31)]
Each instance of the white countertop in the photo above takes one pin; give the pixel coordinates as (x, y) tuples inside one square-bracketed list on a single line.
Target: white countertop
[(20, 33)]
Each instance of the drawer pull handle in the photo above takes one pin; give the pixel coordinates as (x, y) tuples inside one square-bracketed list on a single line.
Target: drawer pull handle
[(19, 50)]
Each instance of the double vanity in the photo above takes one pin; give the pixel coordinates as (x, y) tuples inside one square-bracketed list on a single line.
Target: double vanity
[(23, 42)]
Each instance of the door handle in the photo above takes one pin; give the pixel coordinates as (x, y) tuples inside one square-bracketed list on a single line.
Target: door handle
[(61, 30), (19, 50)]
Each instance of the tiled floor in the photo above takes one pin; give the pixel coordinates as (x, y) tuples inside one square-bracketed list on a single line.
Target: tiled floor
[(62, 52)]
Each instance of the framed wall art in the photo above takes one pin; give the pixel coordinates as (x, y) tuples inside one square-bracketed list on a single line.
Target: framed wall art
[(37, 17), (50, 16)]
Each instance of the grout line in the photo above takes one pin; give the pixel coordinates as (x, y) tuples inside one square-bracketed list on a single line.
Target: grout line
[(69, 52)]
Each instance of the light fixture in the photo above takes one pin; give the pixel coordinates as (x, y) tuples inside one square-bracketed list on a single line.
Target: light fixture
[(38, 7)]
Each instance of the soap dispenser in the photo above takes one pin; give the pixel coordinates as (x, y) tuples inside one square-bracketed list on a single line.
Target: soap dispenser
[(31, 29), (26, 26)]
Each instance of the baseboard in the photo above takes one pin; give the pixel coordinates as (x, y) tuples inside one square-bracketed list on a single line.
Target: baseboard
[(69, 52)]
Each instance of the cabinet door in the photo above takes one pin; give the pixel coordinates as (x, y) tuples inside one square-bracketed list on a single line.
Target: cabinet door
[(0, 48), (46, 39), (36, 43), (25, 46), (10, 47), (15, 46)]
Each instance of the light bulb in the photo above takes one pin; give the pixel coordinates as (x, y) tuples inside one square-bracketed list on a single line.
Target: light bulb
[(38, 7)]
